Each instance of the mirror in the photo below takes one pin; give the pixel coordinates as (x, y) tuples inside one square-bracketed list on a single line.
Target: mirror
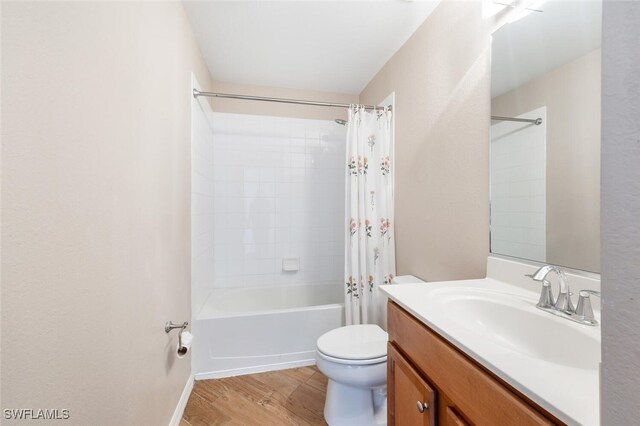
[(545, 175)]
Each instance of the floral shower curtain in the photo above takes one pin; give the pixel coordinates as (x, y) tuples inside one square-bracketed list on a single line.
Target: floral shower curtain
[(370, 245)]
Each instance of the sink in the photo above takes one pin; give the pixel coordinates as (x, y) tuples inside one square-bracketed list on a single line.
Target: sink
[(549, 359), (514, 323)]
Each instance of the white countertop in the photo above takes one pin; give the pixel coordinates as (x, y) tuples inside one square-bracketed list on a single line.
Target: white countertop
[(568, 389)]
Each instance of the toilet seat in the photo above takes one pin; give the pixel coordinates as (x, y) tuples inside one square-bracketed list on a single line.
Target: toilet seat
[(352, 361), (360, 344)]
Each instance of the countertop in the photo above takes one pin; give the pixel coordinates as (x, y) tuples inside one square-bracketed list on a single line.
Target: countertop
[(568, 390)]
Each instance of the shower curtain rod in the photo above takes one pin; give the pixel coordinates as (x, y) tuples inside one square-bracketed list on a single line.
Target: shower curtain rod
[(536, 121), (197, 93)]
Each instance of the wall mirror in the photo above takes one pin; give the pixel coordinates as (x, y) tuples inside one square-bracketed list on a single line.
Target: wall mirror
[(545, 135)]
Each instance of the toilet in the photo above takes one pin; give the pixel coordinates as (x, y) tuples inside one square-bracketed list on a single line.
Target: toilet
[(354, 359)]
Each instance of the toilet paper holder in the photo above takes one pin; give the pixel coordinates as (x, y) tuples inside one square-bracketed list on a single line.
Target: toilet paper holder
[(170, 325)]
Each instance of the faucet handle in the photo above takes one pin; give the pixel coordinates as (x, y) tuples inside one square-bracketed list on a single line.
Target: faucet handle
[(584, 311), (546, 296), (588, 293)]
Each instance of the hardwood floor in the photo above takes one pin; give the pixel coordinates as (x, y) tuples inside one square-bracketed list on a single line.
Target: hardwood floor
[(286, 397)]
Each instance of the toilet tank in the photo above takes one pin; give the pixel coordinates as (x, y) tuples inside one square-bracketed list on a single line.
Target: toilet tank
[(382, 298), (406, 279)]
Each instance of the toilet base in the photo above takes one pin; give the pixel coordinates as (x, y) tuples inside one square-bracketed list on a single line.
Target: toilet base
[(350, 406)]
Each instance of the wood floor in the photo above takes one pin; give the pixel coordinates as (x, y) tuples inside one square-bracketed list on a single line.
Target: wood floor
[(286, 397)]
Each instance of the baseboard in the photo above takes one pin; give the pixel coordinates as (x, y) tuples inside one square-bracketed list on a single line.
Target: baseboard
[(256, 369), (182, 403)]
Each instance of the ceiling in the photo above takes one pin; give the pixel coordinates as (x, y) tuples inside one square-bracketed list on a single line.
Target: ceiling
[(332, 46), (540, 42)]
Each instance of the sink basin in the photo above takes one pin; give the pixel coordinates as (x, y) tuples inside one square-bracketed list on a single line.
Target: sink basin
[(514, 323)]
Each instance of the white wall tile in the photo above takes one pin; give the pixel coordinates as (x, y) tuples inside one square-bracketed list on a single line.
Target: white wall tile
[(268, 174), (267, 189), (518, 188), (279, 191)]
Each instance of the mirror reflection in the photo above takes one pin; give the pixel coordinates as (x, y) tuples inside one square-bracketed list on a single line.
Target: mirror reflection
[(545, 135)]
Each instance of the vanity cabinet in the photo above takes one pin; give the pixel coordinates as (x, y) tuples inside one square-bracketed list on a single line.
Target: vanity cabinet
[(425, 369)]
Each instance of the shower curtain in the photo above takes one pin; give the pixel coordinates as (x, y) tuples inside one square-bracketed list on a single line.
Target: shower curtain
[(370, 245)]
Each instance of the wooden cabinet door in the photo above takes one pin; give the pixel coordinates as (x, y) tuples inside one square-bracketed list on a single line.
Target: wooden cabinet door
[(411, 401), (450, 417)]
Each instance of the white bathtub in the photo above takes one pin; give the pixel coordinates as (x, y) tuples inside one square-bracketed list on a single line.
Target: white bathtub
[(249, 330)]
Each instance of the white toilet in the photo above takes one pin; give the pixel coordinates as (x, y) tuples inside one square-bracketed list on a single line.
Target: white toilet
[(354, 358)]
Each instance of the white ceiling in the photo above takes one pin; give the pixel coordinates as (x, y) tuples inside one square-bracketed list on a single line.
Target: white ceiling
[(333, 46), (540, 42)]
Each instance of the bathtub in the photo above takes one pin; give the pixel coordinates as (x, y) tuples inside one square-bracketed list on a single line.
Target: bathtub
[(250, 330)]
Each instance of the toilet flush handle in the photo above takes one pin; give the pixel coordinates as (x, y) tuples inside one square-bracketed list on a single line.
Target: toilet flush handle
[(422, 406)]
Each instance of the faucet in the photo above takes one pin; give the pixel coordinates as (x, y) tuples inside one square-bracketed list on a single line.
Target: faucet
[(563, 305)]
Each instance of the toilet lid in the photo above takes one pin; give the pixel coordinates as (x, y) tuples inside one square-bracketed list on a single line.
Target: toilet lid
[(364, 341)]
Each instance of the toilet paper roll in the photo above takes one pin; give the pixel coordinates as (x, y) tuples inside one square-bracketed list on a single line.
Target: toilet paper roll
[(185, 338)]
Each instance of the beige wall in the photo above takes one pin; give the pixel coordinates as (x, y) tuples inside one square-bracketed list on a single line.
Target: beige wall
[(571, 93), (441, 80), (95, 192), (1, 405), (280, 109)]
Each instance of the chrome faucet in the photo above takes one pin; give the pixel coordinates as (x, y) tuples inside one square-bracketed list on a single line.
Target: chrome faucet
[(563, 306), (563, 303)]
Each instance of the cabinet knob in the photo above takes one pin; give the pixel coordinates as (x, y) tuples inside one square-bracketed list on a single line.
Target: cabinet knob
[(422, 406)]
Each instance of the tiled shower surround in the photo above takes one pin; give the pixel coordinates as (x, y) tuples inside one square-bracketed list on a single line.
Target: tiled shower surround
[(278, 193), (518, 188)]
